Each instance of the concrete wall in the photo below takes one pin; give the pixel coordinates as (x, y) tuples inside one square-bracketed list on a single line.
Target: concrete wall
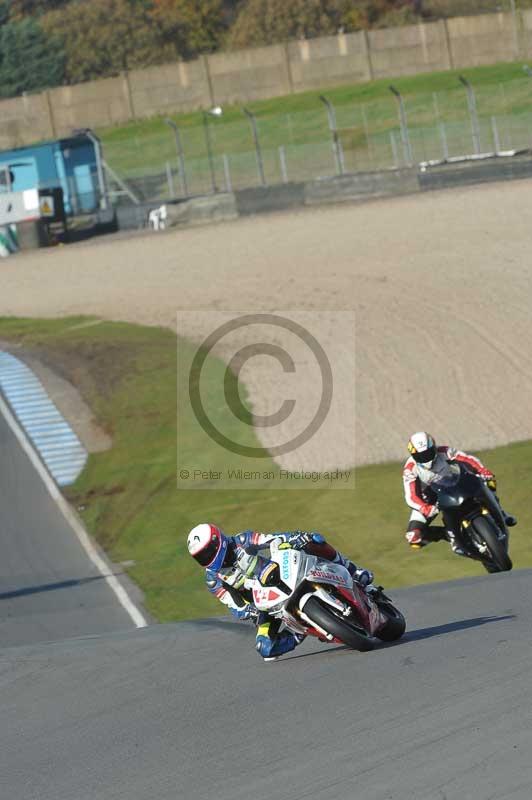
[(328, 61), (499, 169), (358, 187), (409, 50), (525, 39), (94, 104), (249, 74), (182, 86), (25, 119), (266, 72), (482, 40)]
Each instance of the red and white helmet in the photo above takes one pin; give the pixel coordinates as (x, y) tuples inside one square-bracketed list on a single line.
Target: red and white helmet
[(208, 545), (422, 448)]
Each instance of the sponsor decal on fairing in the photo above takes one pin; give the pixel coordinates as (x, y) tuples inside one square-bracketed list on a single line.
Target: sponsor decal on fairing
[(327, 576), (285, 566)]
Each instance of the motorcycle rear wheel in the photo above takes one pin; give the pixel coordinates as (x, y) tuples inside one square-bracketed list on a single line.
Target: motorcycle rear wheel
[(485, 529), (334, 623)]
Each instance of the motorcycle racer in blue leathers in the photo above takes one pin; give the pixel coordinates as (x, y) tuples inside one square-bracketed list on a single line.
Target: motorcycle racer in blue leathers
[(230, 560)]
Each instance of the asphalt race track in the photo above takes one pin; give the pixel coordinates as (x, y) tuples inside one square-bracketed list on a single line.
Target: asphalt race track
[(49, 589), (94, 709), (189, 710)]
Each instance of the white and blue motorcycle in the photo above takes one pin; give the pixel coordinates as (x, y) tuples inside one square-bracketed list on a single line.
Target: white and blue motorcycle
[(316, 597)]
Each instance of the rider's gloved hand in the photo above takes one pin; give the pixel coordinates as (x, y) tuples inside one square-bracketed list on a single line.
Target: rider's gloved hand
[(302, 538), (491, 483), (487, 474), (246, 562)]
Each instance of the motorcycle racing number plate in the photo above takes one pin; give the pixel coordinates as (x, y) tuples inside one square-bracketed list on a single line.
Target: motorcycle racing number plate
[(263, 595)]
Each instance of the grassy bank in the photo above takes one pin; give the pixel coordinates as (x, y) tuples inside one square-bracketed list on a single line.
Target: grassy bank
[(366, 116), (130, 503)]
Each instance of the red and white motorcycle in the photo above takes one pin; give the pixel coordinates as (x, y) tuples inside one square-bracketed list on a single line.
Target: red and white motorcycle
[(316, 597)]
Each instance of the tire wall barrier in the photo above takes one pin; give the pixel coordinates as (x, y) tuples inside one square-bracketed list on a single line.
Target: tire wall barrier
[(356, 187)]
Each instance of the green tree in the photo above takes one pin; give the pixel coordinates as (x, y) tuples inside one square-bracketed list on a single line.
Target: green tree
[(104, 37), (4, 11), (266, 21), (32, 8), (29, 60), (392, 12), (189, 27)]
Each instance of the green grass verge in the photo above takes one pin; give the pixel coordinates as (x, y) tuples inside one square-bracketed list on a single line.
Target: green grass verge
[(128, 496), (366, 115)]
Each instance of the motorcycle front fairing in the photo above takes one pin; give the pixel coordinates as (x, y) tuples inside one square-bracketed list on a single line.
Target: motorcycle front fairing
[(468, 486), (296, 567), (493, 506), (453, 488), (303, 576), (293, 565), (462, 502), (451, 499), (315, 575)]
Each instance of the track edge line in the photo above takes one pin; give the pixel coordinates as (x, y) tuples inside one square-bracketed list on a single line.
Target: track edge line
[(73, 520)]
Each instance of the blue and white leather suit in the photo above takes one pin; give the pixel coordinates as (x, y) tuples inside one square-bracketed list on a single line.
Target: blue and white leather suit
[(228, 586)]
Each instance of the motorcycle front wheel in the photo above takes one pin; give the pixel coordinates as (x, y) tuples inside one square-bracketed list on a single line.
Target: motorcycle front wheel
[(395, 624), (484, 529), (326, 618)]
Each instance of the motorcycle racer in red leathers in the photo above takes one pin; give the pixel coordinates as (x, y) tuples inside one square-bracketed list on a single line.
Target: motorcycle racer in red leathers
[(425, 464), (230, 561)]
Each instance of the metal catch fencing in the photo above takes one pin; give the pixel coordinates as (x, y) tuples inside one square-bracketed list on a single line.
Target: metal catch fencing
[(169, 159)]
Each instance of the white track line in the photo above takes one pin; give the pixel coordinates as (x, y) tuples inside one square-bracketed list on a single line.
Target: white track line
[(114, 584)]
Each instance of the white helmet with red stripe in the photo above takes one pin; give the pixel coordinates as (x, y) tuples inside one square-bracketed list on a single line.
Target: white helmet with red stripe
[(208, 545), (422, 448)]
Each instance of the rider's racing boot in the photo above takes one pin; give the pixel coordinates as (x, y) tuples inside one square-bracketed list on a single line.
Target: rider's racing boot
[(455, 545), (271, 643), (415, 538), (298, 638), (364, 577)]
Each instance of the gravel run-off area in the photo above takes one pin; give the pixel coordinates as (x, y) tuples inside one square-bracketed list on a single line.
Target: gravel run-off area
[(439, 287)]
